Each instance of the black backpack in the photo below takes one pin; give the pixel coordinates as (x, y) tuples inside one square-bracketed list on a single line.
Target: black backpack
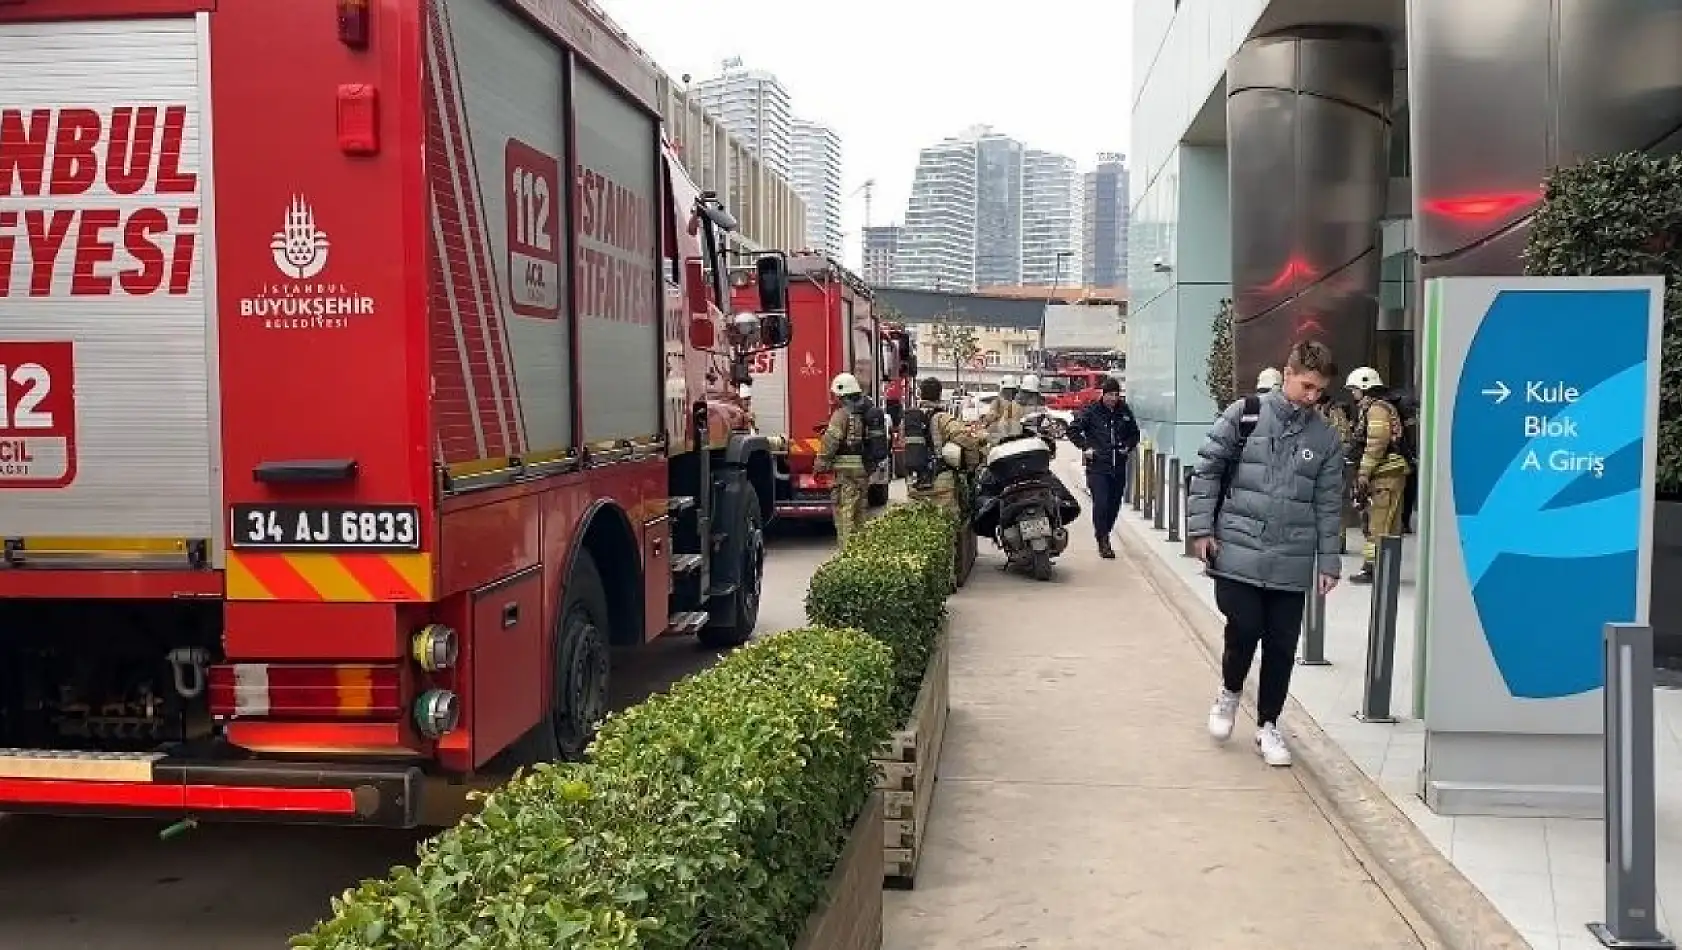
[(915, 426), (876, 448), (1246, 427)]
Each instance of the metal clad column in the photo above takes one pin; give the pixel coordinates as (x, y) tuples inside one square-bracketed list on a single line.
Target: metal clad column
[(1501, 91), (1308, 125)]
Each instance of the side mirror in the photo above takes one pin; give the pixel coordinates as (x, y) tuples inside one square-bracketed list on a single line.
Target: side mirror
[(910, 365), (695, 288), (702, 334), (775, 330), (772, 273), (906, 354)]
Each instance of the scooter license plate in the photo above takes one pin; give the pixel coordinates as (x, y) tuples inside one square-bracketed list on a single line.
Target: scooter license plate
[(1035, 528)]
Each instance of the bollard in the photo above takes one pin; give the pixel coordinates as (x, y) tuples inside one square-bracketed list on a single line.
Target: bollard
[(1381, 633), (1314, 630), (1146, 466), (1631, 891), (1159, 492), (1187, 550), (1174, 499), (1135, 463)]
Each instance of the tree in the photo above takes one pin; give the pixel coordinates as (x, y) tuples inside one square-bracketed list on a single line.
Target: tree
[(955, 341), (1222, 365)]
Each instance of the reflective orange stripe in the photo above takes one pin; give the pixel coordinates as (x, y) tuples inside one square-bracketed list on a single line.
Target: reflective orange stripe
[(337, 578)]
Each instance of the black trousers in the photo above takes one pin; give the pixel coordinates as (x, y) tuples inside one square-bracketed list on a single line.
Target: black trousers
[(1270, 619), (1107, 491)]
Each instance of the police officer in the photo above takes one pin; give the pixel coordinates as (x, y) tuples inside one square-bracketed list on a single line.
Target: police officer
[(842, 454), (1106, 433), (1004, 417), (1380, 469), (1268, 380), (948, 466)]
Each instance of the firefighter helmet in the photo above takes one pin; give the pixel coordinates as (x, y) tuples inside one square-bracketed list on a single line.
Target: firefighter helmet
[(1030, 383), (1365, 378), (1008, 382), (845, 384)]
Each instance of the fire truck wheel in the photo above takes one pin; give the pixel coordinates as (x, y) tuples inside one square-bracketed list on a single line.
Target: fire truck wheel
[(750, 576), (582, 659)]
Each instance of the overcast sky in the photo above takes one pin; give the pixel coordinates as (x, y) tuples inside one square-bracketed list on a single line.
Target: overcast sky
[(891, 76)]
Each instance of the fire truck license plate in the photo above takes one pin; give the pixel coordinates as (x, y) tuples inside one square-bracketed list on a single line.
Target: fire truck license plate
[(326, 527)]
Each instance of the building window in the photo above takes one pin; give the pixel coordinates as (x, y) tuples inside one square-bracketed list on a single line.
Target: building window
[(992, 357)]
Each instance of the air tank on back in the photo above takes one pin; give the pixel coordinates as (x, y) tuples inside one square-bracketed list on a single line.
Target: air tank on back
[(1502, 91)]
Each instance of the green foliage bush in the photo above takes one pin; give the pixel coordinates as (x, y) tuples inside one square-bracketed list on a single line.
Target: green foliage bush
[(892, 581), (1222, 365), (707, 817), (1621, 216)]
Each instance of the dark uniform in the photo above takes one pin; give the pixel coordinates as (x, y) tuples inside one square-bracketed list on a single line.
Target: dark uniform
[(1105, 436)]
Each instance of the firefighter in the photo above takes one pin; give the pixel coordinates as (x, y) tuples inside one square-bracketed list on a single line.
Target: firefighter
[(940, 451), (842, 454), (1376, 453), (1004, 416)]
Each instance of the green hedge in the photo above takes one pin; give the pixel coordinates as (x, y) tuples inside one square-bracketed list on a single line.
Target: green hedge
[(706, 817), (892, 581), (1617, 216)]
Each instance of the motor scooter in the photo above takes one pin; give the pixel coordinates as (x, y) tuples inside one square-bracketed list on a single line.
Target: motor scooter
[(1023, 506)]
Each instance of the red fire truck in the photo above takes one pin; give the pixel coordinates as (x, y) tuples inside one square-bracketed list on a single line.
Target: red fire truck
[(831, 313), (358, 362)]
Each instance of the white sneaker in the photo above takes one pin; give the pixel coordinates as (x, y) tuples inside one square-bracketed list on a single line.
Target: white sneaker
[(1222, 715), (1271, 746)]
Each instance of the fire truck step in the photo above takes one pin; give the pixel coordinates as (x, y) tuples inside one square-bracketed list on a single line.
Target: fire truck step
[(679, 503), (684, 563), (78, 766), (688, 621)]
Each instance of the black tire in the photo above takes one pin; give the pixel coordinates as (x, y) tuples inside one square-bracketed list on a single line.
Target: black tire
[(750, 576), (877, 495), (582, 672), (1042, 565)]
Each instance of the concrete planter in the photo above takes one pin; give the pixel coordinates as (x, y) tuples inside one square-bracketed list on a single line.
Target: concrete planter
[(1666, 610), (906, 766), (850, 915)]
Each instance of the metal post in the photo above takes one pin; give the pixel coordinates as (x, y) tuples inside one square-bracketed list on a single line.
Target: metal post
[(1381, 633), (1142, 498), (1187, 550), (1159, 492), (1173, 484), (1314, 631), (1135, 475), (1631, 898)]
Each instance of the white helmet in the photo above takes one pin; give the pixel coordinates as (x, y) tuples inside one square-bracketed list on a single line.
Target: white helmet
[(845, 384), (1008, 382), (1269, 380), (1364, 378), (1030, 383)]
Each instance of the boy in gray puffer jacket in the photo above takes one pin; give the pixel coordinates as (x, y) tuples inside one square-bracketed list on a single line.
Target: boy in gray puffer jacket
[(1265, 515)]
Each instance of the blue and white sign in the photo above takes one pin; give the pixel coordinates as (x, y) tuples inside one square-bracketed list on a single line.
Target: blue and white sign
[(1539, 440)]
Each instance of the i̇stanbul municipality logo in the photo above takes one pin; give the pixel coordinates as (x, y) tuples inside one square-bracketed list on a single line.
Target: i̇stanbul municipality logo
[(300, 248)]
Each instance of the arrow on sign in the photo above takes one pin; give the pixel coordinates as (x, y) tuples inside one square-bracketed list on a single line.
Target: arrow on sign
[(1499, 392)]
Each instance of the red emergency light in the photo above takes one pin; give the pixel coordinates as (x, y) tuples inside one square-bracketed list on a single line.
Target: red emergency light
[(1479, 207)]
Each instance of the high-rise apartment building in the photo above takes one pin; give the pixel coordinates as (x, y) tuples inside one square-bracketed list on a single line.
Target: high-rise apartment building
[(986, 211), (998, 209), (755, 108), (1051, 220), (937, 244), (881, 248), (1104, 223), (817, 177)]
